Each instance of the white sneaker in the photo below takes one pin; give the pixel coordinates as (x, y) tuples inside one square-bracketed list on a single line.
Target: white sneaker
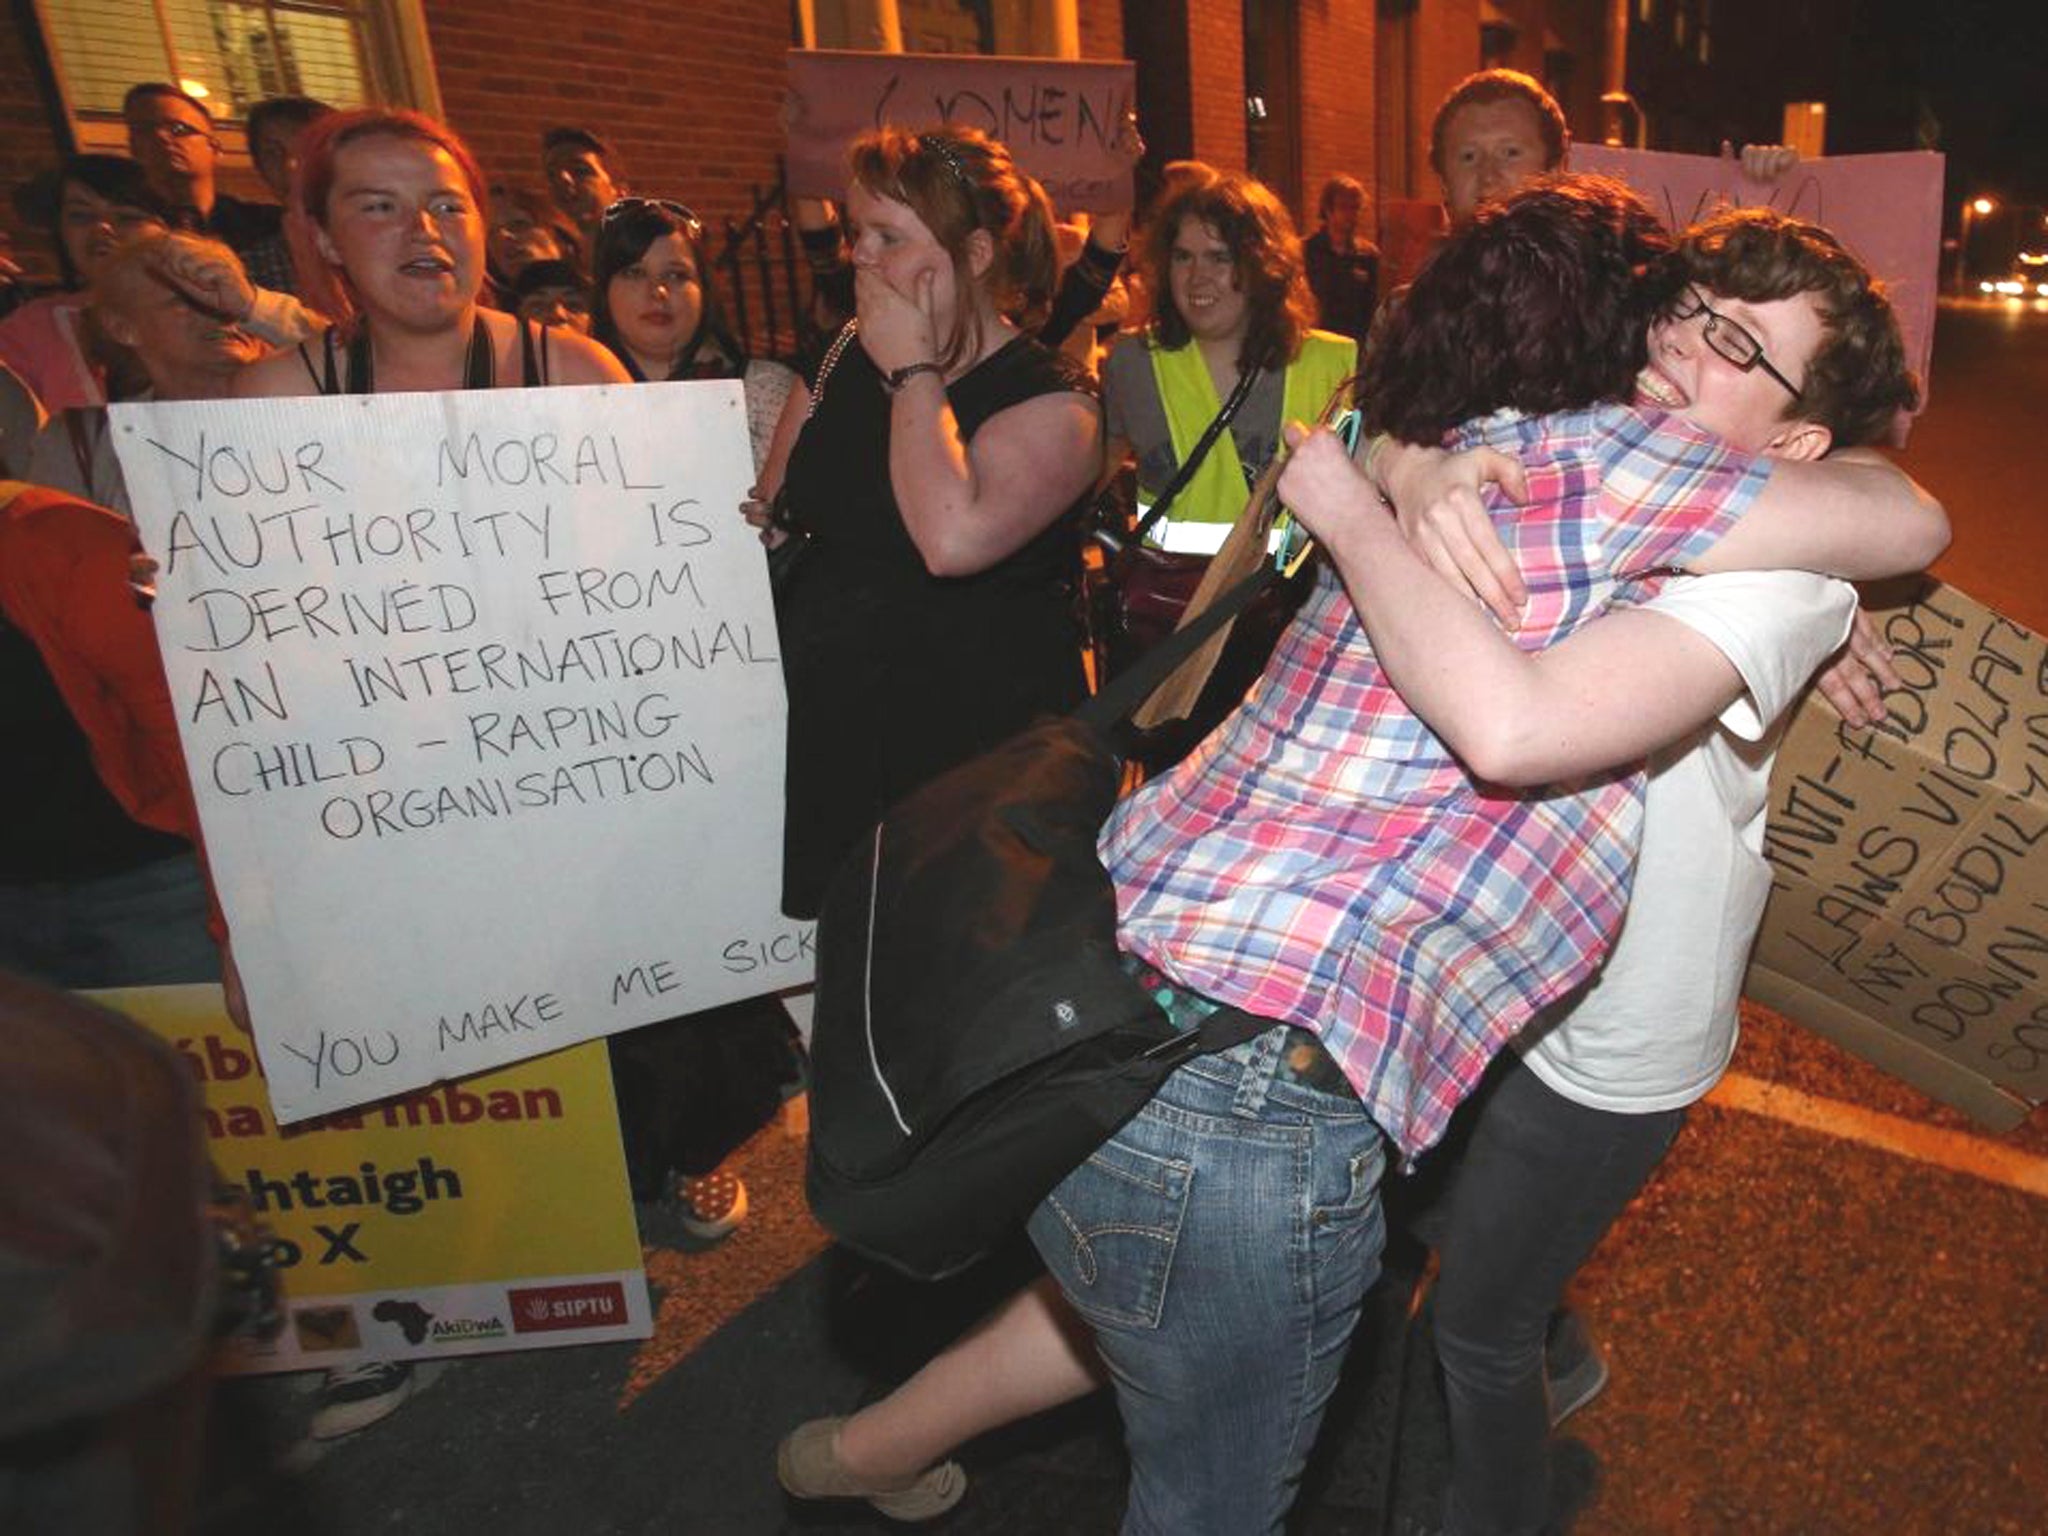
[(360, 1395)]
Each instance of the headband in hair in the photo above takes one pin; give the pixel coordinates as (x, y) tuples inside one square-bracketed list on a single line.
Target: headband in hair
[(940, 145)]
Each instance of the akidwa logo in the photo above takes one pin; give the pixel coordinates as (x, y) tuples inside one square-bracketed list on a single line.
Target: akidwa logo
[(460, 1330), (545, 1308)]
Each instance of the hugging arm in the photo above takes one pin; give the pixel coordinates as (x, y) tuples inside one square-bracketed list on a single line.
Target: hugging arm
[(1624, 686), (1853, 514)]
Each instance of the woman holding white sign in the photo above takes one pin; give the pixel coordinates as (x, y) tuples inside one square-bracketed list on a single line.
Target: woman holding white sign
[(937, 478), (387, 231), (387, 228)]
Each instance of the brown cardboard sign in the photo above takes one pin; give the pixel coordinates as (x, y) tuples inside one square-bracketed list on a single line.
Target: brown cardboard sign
[(1058, 116), (1910, 862)]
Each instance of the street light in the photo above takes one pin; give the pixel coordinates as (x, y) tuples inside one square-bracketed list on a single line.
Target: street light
[(1976, 208)]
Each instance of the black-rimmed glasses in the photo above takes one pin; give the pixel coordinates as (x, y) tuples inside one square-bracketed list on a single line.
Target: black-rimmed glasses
[(1728, 339), (626, 207)]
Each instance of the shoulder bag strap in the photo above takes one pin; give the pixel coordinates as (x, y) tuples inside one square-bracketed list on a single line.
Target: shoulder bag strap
[(1193, 461), (832, 355), (1122, 694)]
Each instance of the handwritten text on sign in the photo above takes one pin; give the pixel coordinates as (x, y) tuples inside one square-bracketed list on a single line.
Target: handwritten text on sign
[(483, 708), (1058, 116), (1909, 862)]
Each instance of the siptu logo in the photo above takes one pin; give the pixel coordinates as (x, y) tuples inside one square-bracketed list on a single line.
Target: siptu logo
[(548, 1308)]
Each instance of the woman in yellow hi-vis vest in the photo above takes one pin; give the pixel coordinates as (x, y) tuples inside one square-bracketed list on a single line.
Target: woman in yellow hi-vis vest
[(1229, 298), (1199, 398)]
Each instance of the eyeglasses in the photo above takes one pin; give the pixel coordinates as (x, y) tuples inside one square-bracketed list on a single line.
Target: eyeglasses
[(627, 207), (171, 128), (1727, 339)]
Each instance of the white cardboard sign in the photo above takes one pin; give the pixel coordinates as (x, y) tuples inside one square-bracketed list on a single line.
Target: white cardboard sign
[(483, 706)]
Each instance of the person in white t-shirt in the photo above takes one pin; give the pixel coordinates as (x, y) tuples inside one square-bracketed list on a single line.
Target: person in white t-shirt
[(1614, 692), (1784, 345)]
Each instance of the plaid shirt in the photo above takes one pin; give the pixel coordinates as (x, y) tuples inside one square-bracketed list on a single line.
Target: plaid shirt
[(1323, 859)]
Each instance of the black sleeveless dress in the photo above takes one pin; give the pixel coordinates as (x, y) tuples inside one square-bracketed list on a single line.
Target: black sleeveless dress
[(896, 675)]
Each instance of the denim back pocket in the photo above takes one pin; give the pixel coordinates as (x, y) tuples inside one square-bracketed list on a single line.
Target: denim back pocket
[(1109, 1230), (1350, 1208)]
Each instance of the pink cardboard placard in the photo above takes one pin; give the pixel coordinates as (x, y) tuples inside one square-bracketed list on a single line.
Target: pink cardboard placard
[(1058, 116), (1884, 208)]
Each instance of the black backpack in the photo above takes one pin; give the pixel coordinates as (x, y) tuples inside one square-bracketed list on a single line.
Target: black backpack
[(976, 1036)]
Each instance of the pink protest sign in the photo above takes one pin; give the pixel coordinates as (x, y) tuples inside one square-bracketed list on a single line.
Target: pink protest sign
[(1884, 208), (1059, 116)]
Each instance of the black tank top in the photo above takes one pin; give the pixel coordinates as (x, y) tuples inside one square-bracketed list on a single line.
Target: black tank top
[(479, 372)]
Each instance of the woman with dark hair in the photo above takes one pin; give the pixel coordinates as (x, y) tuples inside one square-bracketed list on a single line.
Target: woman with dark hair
[(90, 205), (652, 303), (388, 239), (938, 479), (1231, 320)]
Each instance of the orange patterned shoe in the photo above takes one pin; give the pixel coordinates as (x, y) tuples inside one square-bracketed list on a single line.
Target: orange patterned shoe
[(713, 1205)]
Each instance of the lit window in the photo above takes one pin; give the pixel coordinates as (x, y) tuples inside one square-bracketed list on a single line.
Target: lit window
[(1039, 28), (233, 53)]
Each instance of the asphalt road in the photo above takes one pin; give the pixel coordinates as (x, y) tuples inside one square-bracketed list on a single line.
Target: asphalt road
[(1827, 1314)]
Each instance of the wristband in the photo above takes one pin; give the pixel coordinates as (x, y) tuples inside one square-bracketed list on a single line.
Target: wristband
[(896, 378), (1370, 464)]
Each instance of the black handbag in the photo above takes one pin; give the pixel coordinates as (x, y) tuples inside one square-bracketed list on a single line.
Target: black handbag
[(976, 1036)]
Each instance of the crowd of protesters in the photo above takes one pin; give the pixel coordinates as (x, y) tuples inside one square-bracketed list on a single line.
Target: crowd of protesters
[(1405, 848)]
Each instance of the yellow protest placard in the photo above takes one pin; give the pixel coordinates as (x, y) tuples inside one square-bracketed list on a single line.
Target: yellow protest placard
[(485, 1214)]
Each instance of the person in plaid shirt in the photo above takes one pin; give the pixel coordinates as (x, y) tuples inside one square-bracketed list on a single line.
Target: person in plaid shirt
[(1325, 858)]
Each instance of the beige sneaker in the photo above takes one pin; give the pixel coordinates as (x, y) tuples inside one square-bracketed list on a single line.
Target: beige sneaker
[(808, 1466)]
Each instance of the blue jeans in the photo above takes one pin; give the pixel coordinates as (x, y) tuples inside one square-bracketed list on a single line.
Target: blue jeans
[(1219, 1245)]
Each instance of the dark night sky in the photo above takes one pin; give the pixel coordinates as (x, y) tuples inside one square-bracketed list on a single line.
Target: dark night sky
[(1980, 67)]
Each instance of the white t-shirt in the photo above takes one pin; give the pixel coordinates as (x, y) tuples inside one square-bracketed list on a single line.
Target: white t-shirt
[(1655, 1028)]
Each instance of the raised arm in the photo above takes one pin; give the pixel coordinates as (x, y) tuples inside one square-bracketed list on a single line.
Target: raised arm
[(967, 507), (1853, 514), (1614, 692)]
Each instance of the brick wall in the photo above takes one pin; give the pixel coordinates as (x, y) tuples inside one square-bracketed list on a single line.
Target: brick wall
[(1216, 81), (690, 94), (1102, 29), (1336, 97)]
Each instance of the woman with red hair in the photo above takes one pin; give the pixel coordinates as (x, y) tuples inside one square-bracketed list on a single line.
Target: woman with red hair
[(387, 230)]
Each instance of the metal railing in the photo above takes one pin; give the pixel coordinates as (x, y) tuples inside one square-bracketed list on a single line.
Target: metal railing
[(766, 282)]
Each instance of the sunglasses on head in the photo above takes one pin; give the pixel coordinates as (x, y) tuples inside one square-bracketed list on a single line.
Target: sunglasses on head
[(627, 207)]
